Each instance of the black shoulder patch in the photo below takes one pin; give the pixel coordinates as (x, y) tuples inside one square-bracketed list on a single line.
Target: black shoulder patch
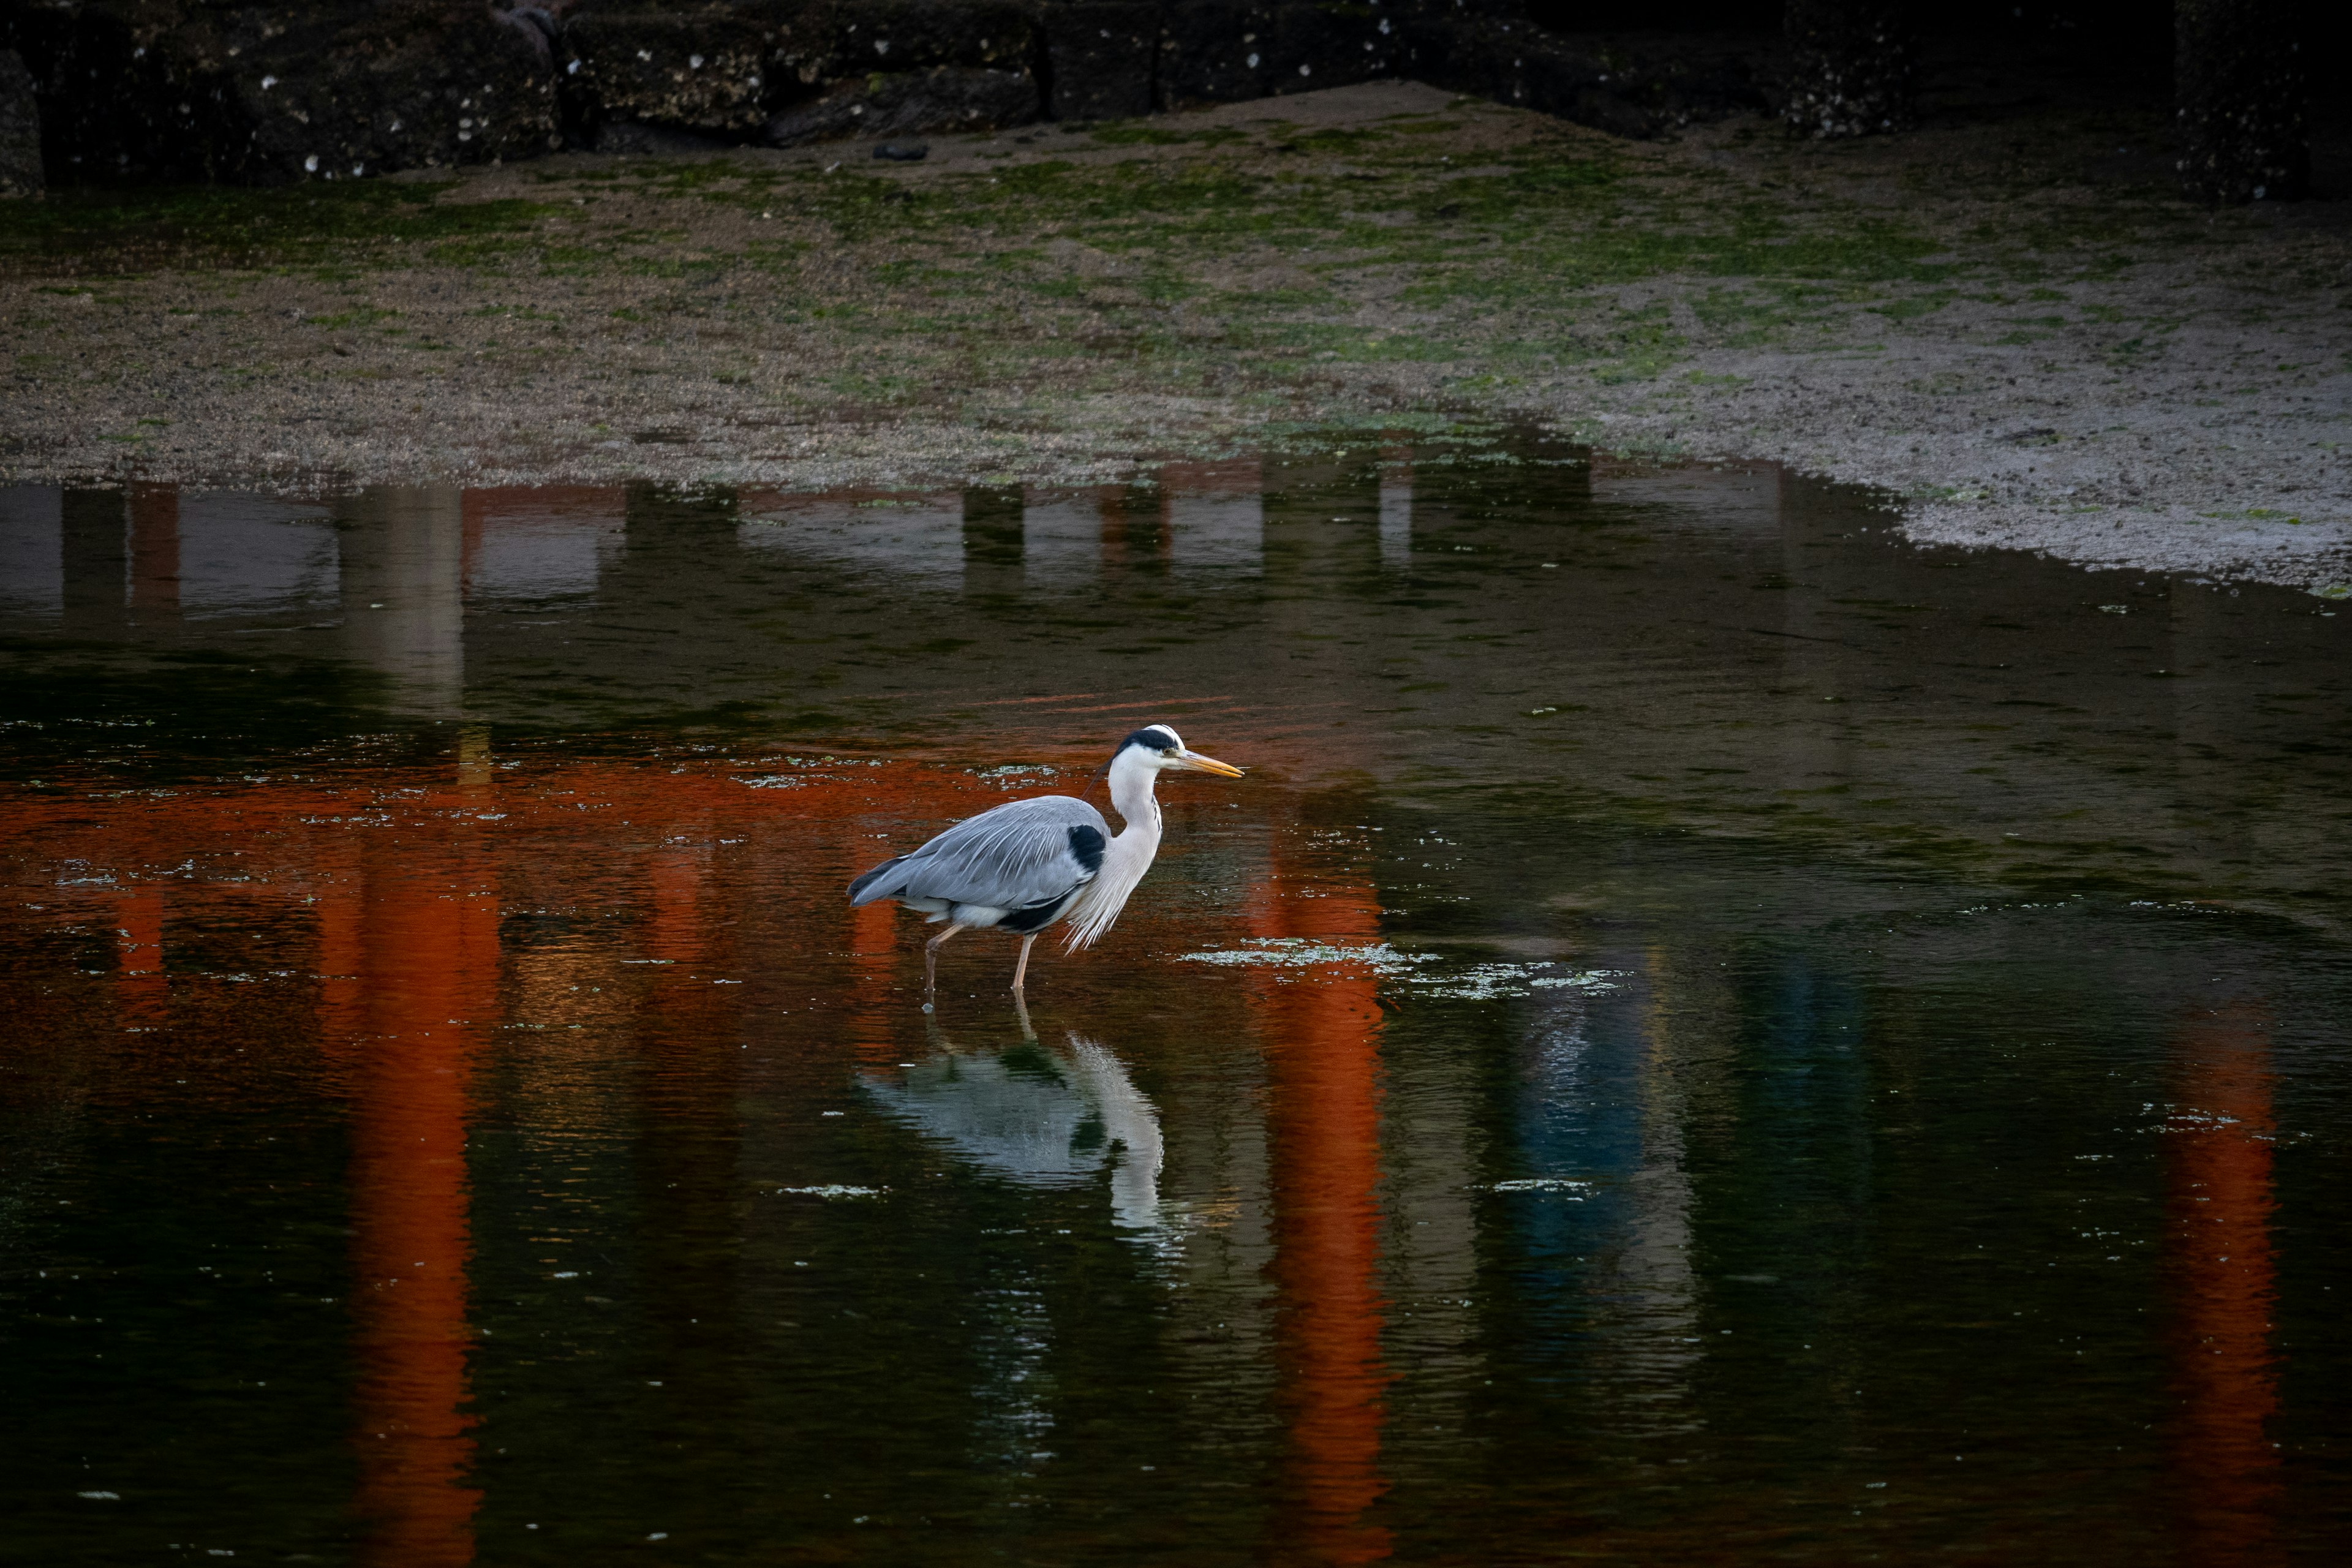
[(1152, 736), (1087, 843)]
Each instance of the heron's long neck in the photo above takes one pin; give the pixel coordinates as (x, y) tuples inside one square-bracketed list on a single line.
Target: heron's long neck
[(1130, 796), (1126, 858)]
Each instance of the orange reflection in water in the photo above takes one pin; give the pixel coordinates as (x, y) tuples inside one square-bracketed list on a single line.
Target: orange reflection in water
[(397, 874), (423, 939), (2218, 1203), (1323, 1050), (140, 986)]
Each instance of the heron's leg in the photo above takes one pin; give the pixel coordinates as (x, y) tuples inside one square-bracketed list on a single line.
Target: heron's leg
[(1020, 1011), (1021, 968), (931, 958)]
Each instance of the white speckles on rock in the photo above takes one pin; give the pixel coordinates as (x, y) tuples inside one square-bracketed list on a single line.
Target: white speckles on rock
[(310, 164)]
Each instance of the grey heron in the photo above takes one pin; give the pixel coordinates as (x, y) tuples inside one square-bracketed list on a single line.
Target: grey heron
[(1028, 863)]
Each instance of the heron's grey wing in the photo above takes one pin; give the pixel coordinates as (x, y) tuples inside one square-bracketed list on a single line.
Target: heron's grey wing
[(1024, 852)]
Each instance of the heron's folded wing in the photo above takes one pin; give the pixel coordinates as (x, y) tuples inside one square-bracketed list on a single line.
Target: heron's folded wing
[(1021, 853)]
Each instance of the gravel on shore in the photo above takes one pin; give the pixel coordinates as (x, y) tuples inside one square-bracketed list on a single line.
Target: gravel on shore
[(2006, 322)]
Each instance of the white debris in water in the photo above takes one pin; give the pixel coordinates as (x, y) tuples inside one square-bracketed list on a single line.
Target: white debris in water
[(836, 1189), (1014, 770), (1480, 981), (1542, 1184), (1302, 953), (773, 781)]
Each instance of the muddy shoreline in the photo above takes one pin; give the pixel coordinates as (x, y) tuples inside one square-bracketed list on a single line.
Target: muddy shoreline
[(2006, 323)]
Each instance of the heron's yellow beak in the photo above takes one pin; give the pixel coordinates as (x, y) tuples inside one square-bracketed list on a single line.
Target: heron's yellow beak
[(1195, 760)]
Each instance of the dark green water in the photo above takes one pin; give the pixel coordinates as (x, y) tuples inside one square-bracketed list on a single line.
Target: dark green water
[(1708, 1035)]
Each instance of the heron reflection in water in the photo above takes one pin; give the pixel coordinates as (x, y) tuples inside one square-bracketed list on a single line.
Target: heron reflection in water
[(1037, 1115), (1027, 863)]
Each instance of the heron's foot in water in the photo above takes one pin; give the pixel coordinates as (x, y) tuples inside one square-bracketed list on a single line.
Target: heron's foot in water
[(931, 963)]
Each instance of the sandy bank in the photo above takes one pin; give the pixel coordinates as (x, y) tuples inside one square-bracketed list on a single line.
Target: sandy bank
[(2005, 320)]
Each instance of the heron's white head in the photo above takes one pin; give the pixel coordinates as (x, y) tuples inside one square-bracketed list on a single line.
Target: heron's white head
[(1158, 747)]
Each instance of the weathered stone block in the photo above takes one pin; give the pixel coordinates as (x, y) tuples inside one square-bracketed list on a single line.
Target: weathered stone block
[(2241, 74), (836, 40), (1100, 57), (1325, 45), (1851, 67), (630, 136), (1227, 51), (413, 83), (264, 95), (911, 103), (1628, 85), (697, 67), (20, 129)]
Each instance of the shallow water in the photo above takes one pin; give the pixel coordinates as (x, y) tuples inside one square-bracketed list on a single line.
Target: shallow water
[(1708, 1034)]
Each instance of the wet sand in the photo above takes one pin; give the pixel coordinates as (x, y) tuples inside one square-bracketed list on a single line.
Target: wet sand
[(2005, 321)]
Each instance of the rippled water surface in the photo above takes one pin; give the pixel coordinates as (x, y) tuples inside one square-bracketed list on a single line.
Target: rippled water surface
[(1708, 1034)]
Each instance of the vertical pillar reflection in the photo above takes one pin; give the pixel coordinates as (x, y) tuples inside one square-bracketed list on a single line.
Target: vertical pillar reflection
[(404, 567), (993, 540), (1396, 516), (1656, 1292), (155, 585), (1323, 1065), (873, 937), (687, 1036), (2218, 1203), (1134, 529), (425, 960)]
